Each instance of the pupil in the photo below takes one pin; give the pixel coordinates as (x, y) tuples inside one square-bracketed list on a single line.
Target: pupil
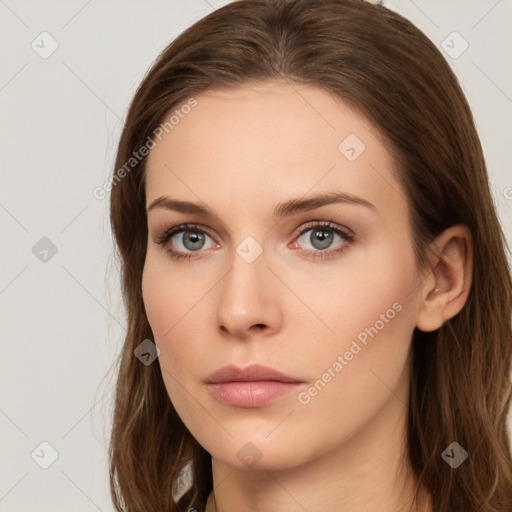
[(321, 239)]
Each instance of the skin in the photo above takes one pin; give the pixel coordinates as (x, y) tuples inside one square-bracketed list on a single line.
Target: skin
[(240, 153)]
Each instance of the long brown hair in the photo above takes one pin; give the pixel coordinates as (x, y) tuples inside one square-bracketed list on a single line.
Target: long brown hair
[(387, 69)]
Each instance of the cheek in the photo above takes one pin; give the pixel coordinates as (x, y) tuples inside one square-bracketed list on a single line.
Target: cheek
[(166, 308), (363, 364), (365, 295), (174, 304), (157, 296), (170, 296)]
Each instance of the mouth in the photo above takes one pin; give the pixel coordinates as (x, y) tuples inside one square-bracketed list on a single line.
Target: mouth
[(254, 386)]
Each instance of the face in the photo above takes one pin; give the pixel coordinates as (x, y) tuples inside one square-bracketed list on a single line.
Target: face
[(298, 256)]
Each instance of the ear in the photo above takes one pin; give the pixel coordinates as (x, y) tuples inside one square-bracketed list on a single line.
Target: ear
[(445, 287)]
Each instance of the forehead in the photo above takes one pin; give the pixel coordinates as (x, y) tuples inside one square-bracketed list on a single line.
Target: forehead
[(269, 141)]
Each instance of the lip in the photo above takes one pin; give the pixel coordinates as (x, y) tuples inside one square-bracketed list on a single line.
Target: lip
[(253, 386), (252, 373)]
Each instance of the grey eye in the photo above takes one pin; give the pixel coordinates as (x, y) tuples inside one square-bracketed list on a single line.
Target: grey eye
[(321, 238), (193, 240)]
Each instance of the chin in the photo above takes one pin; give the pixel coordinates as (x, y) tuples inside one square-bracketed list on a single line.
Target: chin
[(253, 453)]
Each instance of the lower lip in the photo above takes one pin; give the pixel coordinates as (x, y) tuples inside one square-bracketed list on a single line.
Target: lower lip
[(251, 394)]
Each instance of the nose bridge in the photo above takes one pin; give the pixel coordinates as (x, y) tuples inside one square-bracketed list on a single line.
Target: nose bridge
[(243, 283), (247, 297)]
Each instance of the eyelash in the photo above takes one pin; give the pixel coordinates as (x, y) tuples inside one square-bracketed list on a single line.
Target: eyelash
[(347, 236)]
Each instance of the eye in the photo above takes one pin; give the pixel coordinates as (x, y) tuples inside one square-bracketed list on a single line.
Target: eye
[(183, 240), (321, 236)]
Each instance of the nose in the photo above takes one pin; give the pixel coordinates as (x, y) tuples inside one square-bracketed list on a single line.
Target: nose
[(249, 303)]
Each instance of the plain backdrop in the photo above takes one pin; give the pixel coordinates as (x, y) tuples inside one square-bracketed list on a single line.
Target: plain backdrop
[(69, 70)]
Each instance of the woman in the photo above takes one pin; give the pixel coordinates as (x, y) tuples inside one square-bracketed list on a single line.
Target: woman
[(316, 280)]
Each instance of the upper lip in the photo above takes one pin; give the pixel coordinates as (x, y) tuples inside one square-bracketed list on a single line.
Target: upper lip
[(252, 373)]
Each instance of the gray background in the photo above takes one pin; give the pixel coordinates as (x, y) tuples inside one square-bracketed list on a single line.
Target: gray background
[(62, 320)]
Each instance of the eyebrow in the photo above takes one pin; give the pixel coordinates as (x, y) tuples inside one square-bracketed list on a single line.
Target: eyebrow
[(284, 209)]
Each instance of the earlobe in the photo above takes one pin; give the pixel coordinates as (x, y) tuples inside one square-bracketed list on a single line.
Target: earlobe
[(445, 291)]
